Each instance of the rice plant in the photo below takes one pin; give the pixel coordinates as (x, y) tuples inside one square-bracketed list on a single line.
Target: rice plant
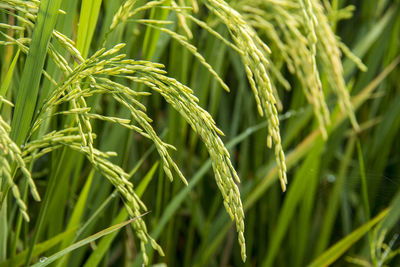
[(140, 133)]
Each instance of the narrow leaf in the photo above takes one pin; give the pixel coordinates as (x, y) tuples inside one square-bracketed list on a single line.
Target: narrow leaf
[(29, 87), (90, 10), (337, 250), (38, 249), (7, 80), (47, 261)]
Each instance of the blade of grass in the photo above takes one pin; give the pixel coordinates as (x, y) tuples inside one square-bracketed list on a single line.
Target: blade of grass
[(76, 215), (337, 250), (39, 248), (392, 219), (7, 80), (152, 35), (45, 206), (364, 185), (3, 231), (55, 223), (90, 10), (141, 188), (64, 25), (30, 79), (3, 210), (83, 242)]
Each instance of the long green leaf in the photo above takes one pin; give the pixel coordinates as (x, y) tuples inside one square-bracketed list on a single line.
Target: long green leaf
[(337, 250), (7, 80), (87, 24), (77, 214), (29, 86), (39, 249), (47, 261), (152, 35), (3, 231)]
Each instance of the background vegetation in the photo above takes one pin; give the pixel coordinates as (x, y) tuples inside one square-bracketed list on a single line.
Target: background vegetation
[(80, 158)]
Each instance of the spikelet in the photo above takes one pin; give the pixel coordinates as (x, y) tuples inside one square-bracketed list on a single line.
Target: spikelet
[(180, 97), (10, 152), (317, 98), (192, 49), (332, 59), (255, 61), (124, 13), (291, 28)]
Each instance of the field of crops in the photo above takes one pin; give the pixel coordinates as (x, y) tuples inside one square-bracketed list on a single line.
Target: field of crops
[(199, 133)]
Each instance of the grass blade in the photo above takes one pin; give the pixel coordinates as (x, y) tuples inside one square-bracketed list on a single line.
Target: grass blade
[(83, 242), (29, 87), (39, 248), (7, 80), (77, 214), (363, 181), (3, 231), (337, 250), (87, 24)]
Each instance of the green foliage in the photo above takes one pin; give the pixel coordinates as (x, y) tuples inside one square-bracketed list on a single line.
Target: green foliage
[(88, 86)]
